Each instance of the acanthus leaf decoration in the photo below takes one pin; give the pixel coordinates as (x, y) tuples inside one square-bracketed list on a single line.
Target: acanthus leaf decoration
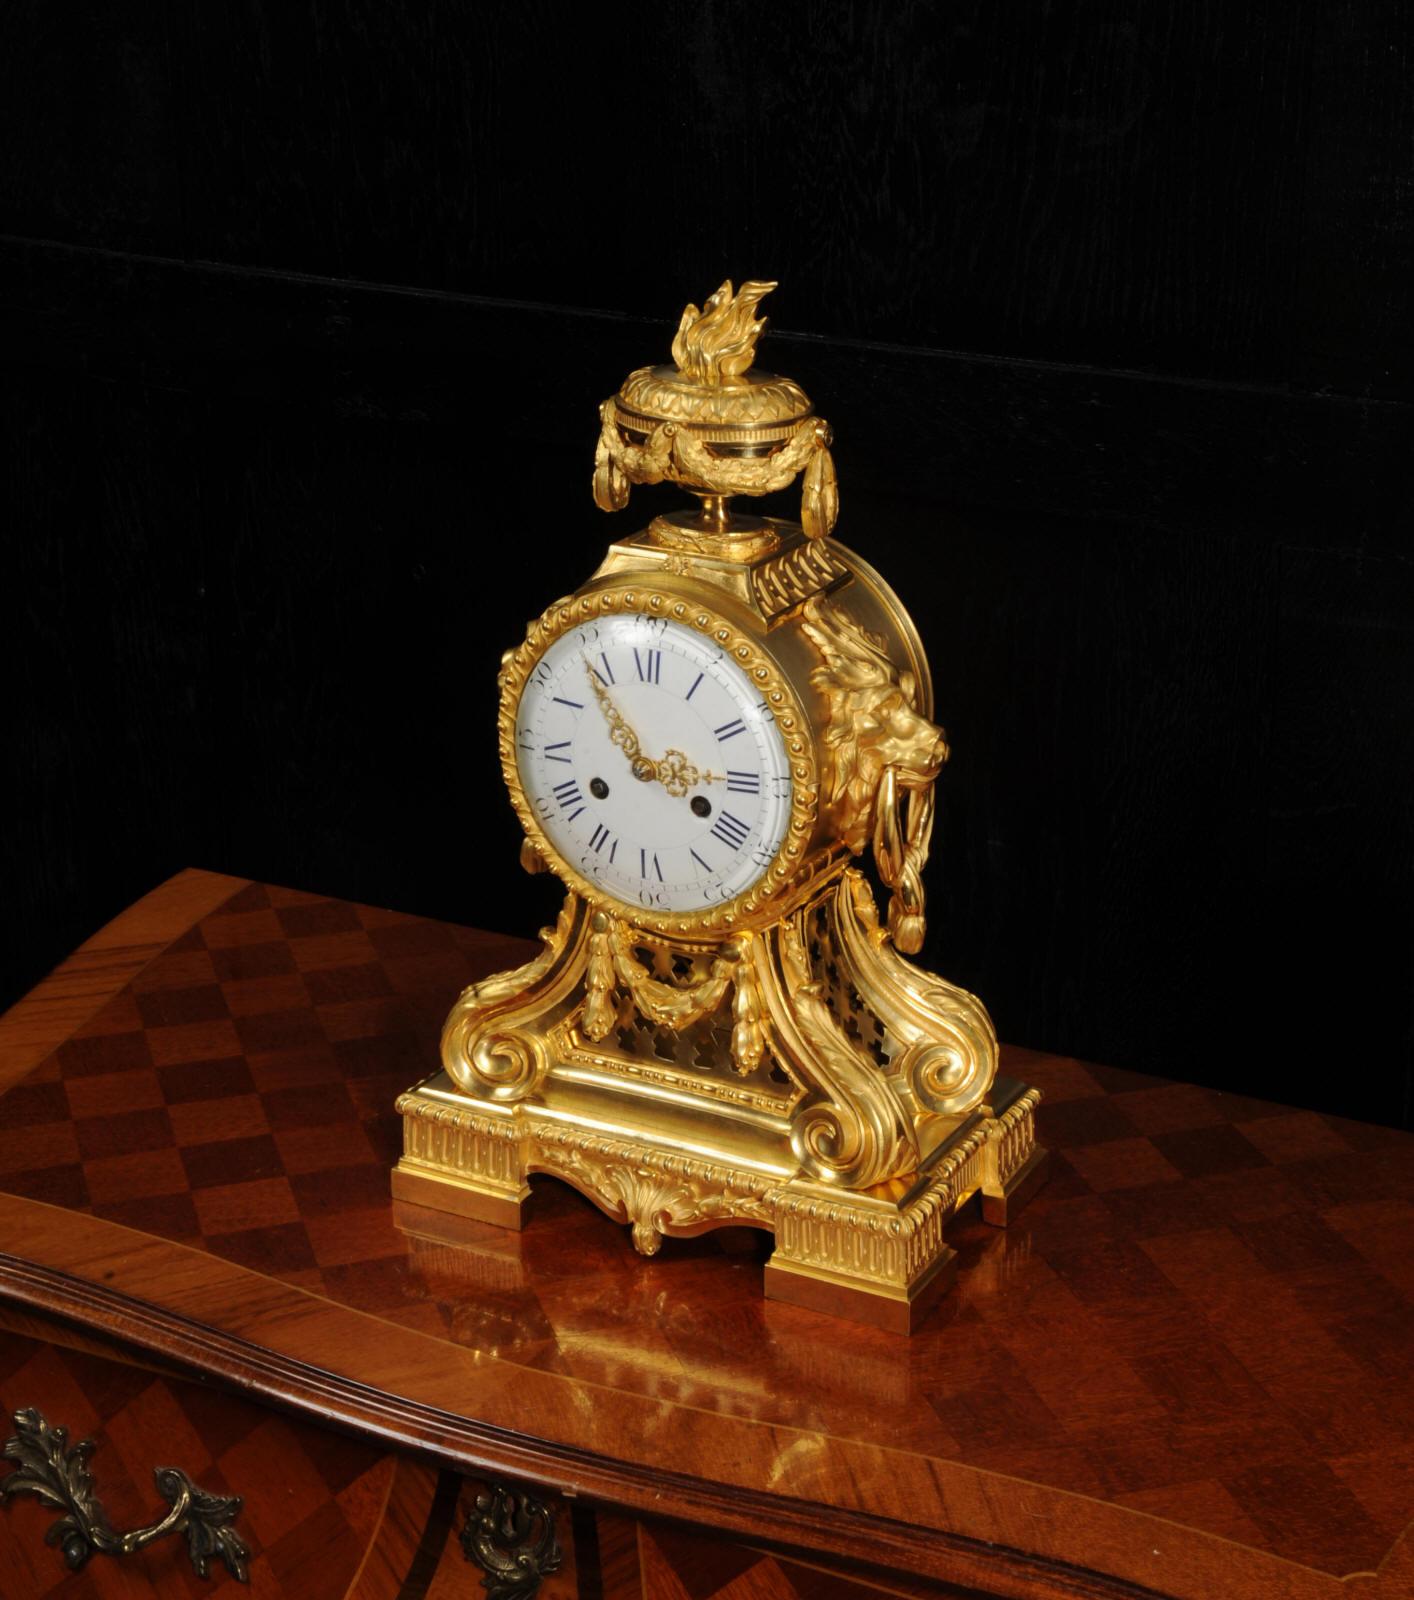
[(851, 1129), (656, 1193), (946, 1051), (484, 1052), (58, 1476)]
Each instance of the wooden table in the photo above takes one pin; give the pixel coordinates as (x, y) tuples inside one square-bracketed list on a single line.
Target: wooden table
[(1184, 1371)]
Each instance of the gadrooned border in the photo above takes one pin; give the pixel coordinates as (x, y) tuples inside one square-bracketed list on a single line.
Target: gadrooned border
[(631, 599)]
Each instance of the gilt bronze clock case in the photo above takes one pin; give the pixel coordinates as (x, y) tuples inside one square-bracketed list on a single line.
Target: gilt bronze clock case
[(720, 1028)]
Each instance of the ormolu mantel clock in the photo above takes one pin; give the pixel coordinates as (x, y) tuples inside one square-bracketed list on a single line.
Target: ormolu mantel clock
[(702, 742)]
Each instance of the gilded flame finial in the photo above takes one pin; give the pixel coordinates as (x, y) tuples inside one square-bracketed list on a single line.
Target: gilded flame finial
[(717, 425), (718, 343)]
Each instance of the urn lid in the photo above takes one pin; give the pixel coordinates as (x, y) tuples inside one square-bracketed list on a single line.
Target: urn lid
[(715, 423), (712, 384)]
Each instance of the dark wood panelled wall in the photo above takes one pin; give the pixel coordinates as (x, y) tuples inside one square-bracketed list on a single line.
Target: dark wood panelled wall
[(306, 312)]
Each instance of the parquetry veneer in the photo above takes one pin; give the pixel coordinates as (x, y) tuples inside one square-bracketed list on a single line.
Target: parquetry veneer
[(1183, 1371)]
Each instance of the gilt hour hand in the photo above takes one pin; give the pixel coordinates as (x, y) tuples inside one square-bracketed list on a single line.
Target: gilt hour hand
[(620, 733), (675, 772)]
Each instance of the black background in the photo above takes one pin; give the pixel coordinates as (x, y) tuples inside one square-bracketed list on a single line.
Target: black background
[(307, 308)]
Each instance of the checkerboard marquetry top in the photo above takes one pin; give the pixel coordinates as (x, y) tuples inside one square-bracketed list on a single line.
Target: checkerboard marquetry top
[(1187, 1369)]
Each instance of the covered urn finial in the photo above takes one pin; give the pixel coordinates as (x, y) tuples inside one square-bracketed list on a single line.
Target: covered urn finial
[(715, 424)]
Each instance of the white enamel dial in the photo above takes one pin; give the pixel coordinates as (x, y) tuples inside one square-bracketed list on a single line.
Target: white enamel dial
[(654, 765)]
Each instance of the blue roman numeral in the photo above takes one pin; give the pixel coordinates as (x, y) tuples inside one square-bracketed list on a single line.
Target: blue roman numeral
[(649, 665), (730, 830), (563, 744), (729, 730), (567, 793), (741, 782)]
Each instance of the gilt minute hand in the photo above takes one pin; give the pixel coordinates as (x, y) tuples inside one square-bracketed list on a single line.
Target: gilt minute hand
[(675, 772)]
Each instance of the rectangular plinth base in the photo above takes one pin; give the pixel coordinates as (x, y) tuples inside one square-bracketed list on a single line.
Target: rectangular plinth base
[(1000, 1207), (438, 1193), (876, 1256), (789, 1283)]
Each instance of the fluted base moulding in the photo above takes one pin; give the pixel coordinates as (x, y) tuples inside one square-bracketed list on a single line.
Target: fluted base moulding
[(875, 1256)]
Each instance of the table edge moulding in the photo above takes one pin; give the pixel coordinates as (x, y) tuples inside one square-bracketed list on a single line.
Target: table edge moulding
[(478, 1413)]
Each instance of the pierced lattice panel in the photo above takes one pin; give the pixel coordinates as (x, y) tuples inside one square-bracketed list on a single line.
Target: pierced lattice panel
[(702, 1049), (849, 1008)]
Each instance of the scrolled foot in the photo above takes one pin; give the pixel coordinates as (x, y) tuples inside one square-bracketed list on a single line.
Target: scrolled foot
[(646, 1238)]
